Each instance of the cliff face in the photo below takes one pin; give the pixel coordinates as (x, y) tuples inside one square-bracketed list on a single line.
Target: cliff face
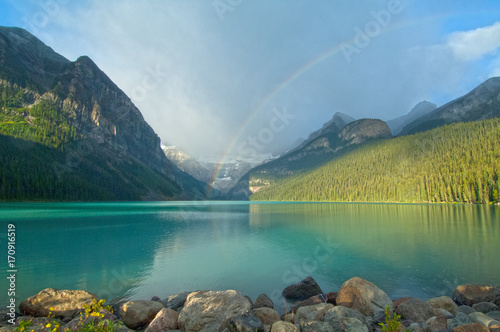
[(105, 115), (109, 139)]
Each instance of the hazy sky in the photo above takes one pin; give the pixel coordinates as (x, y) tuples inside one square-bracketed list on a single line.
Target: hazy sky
[(248, 76)]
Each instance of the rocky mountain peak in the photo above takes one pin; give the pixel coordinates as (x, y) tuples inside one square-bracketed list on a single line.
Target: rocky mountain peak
[(362, 130)]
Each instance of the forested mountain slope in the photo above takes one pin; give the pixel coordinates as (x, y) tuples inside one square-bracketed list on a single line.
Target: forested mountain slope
[(455, 163)]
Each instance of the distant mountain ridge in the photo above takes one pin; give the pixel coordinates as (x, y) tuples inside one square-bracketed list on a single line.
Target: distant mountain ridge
[(96, 135), (421, 109), (313, 154), (481, 103), (337, 122)]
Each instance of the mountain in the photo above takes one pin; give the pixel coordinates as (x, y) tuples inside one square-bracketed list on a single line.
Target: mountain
[(481, 103), (316, 152), (455, 163), (186, 163), (221, 177), (419, 110), (337, 122), (227, 175), (70, 133)]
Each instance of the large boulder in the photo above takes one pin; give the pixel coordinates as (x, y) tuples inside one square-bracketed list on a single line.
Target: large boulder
[(444, 302), (166, 319), (263, 301), (364, 296), (266, 315), (415, 310), (58, 303), (470, 294), (208, 310), (284, 327), (312, 312), (138, 314), (302, 290)]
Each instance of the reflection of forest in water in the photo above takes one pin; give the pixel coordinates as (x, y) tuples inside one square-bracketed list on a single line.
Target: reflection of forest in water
[(143, 249)]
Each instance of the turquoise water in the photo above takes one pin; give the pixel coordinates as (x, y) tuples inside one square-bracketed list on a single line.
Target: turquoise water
[(139, 250)]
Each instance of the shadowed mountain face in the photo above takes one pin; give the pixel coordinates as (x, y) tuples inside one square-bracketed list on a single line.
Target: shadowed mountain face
[(419, 110), (481, 103), (312, 155), (94, 129)]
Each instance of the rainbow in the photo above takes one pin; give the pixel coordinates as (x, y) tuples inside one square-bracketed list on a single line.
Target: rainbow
[(283, 85)]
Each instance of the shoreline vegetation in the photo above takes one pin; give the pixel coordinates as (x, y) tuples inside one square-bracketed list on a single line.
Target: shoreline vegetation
[(358, 305)]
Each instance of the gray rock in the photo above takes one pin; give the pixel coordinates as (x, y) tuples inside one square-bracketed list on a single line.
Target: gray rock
[(494, 314), (284, 327), (176, 302), (470, 294), (155, 298), (165, 320), (316, 299), (302, 290), (352, 324), (485, 307), (263, 301), (415, 310), (443, 313), (138, 314), (414, 327), (364, 296), (479, 317), (459, 319), (208, 310), (66, 303), (244, 323), (444, 302), (316, 327), (312, 312), (339, 313), (266, 315), (339, 318), (466, 309), (249, 301), (476, 327), (437, 323)]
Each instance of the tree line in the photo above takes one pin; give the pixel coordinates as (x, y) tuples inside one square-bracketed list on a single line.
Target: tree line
[(456, 163)]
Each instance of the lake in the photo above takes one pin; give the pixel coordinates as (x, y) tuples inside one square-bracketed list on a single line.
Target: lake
[(139, 250)]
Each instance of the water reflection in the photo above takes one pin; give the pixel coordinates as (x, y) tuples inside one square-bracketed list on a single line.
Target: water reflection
[(139, 250)]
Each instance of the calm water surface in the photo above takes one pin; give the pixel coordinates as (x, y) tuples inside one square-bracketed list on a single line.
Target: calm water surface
[(139, 250)]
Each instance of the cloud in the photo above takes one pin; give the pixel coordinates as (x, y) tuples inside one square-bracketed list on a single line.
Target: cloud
[(474, 44), (218, 82)]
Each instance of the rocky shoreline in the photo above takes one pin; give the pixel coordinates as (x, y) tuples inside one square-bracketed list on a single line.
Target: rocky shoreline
[(359, 305)]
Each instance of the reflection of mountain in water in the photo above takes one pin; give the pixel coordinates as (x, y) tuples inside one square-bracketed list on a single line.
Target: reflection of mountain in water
[(145, 249)]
